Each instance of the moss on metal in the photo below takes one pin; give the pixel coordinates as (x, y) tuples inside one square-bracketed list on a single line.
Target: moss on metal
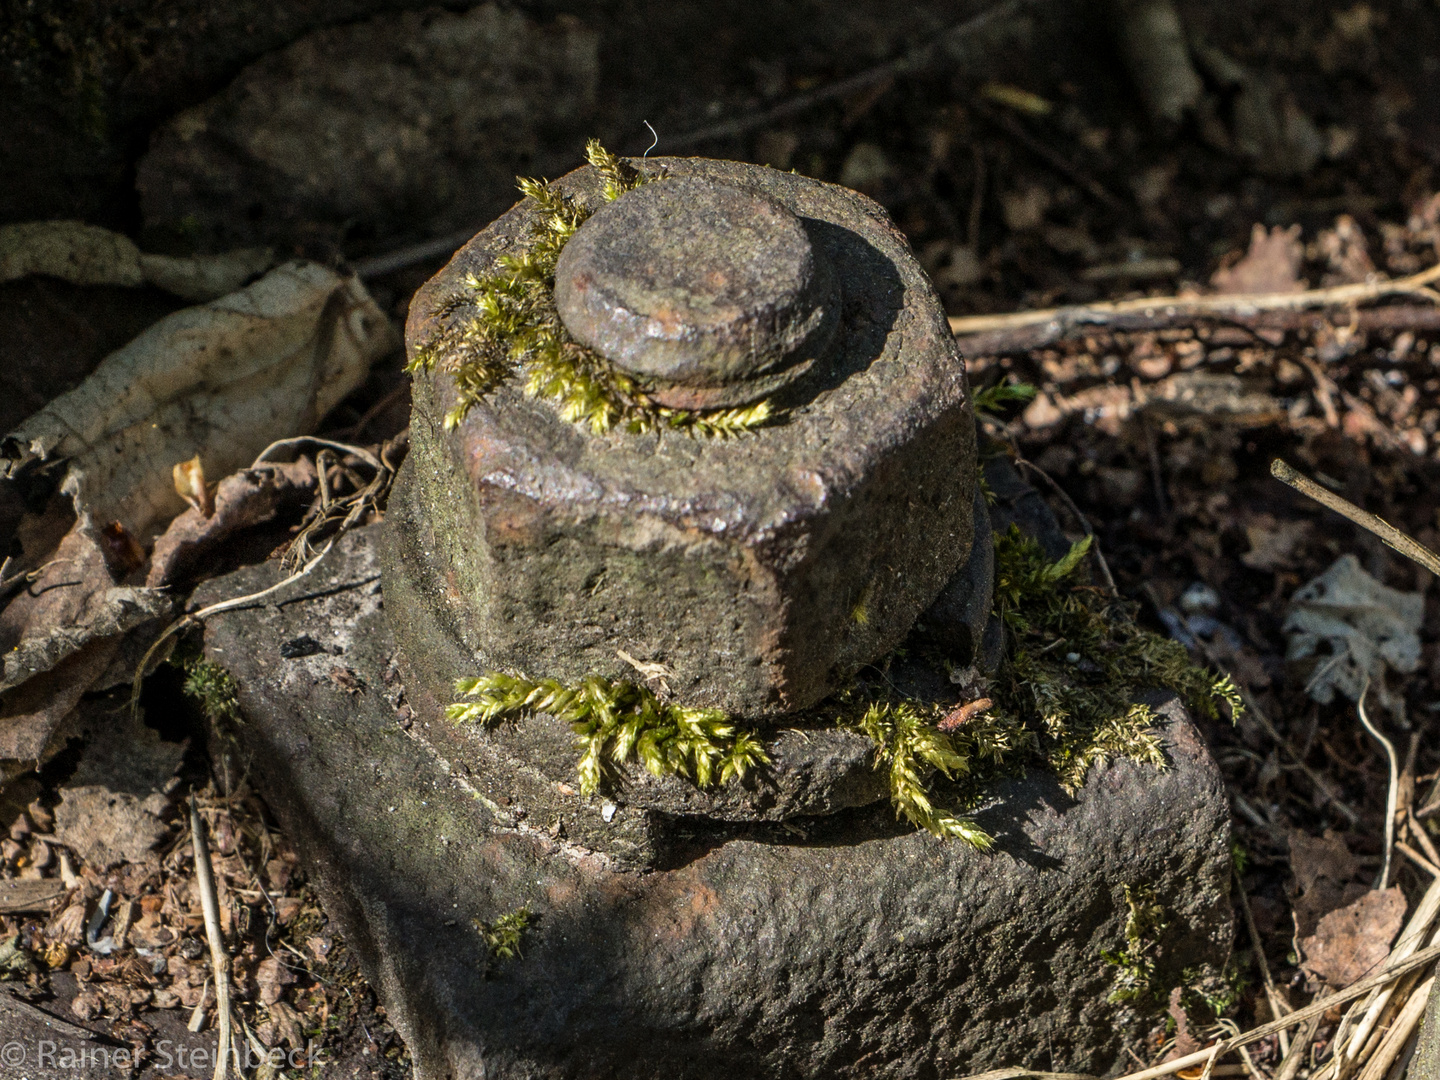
[(505, 324)]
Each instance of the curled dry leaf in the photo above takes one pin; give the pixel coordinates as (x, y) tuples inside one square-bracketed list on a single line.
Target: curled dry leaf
[(1346, 627), (189, 477), (219, 382), (246, 498), (89, 255), (222, 380)]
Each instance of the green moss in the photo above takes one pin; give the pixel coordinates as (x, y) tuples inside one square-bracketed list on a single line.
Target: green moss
[(213, 688), (1076, 659), (1135, 964), (505, 325), (909, 747), (616, 722), (994, 399), (503, 936)]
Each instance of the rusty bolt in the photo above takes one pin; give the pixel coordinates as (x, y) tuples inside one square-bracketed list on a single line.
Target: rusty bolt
[(712, 294)]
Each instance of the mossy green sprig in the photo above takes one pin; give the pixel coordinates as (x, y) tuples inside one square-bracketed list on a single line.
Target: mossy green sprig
[(909, 747), (617, 721), (1076, 659), (505, 325), (504, 935)]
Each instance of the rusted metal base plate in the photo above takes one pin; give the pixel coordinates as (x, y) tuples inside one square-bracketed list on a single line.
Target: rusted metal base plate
[(843, 945)]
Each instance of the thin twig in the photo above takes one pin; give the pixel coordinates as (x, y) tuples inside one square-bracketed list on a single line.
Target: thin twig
[(1243, 304), (913, 61), (1051, 157), (1394, 783), (1252, 707), (1314, 1009), (1064, 497), (1419, 860), (916, 60), (1391, 536), (210, 907), (1278, 1005), (1300, 1045), (1422, 837)]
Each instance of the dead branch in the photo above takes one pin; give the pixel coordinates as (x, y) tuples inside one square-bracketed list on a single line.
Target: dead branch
[(1392, 537), (210, 907), (1021, 331)]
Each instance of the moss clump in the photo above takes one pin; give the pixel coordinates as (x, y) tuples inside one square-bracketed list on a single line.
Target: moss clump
[(1135, 964), (994, 399), (908, 746), (1076, 659), (503, 936), (213, 689), (616, 722), (506, 324)]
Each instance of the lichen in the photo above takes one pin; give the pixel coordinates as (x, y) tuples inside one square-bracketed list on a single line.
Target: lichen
[(615, 722), (503, 935), (505, 324)]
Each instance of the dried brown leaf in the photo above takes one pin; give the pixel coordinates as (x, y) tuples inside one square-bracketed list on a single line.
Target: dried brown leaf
[(1271, 265), (1350, 942)]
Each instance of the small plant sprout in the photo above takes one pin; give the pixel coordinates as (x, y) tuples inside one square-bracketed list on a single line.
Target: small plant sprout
[(505, 324), (503, 936)]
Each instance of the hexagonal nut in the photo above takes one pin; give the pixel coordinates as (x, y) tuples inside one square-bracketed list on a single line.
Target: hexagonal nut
[(760, 571)]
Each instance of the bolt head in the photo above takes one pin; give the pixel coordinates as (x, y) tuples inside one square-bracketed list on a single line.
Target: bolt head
[(711, 294)]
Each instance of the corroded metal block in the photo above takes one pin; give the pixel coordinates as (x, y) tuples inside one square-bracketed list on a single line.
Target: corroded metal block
[(760, 570)]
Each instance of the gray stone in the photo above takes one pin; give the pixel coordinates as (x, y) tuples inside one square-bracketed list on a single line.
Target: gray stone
[(762, 570), (713, 293), (408, 121), (842, 945)]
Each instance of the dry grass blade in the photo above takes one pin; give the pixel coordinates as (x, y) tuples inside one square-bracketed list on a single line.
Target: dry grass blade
[(1391, 797), (1402, 542), (210, 907), (1315, 1009), (1278, 1006), (1400, 1032), (1350, 1050)]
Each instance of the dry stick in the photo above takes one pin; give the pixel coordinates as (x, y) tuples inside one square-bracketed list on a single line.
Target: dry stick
[(1419, 860), (1392, 536), (1394, 782), (1399, 1034), (1410, 939), (1245, 1038), (1241, 305), (210, 906), (1278, 1006)]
